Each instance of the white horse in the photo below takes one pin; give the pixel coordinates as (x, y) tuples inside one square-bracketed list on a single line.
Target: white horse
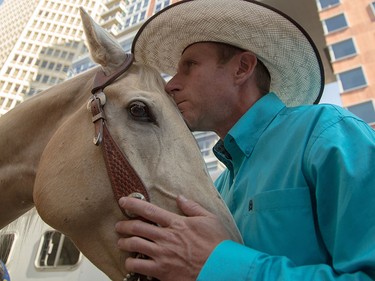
[(48, 160)]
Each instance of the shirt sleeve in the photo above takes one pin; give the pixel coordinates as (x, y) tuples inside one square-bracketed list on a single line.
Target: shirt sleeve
[(340, 170), (228, 261)]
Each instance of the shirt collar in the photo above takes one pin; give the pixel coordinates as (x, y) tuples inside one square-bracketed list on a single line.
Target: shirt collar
[(243, 136)]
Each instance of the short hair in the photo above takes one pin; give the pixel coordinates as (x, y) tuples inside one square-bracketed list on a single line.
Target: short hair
[(263, 77)]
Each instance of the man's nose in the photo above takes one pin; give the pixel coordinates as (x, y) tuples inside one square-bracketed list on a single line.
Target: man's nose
[(171, 87)]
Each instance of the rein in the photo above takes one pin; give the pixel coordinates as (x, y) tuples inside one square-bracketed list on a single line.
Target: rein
[(123, 177)]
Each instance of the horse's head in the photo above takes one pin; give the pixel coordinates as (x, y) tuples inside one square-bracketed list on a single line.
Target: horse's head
[(73, 191)]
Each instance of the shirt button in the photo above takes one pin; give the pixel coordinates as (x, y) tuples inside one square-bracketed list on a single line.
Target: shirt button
[(251, 205)]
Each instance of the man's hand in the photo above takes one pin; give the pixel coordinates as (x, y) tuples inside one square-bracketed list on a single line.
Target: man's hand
[(177, 246)]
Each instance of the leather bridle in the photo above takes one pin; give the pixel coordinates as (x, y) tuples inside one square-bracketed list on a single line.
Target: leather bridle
[(124, 179)]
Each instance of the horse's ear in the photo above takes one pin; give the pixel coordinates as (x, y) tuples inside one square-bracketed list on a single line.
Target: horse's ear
[(104, 49)]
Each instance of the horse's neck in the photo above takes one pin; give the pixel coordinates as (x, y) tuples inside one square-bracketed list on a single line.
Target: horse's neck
[(32, 123), (25, 131)]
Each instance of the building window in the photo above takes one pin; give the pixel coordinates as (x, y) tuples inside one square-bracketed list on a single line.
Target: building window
[(6, 246), (138, 7), (343, 49), (352, 79), (49, 51), (53, 80), (161, 4), (45, 79), (326, 4), (56, 251), (335, 23), (127, 22), (51, 65), (31, 92), (364, 110), (372, 5), (142, 16), (135, 19)]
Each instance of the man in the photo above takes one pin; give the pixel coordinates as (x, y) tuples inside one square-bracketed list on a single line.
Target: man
[(300, 179)]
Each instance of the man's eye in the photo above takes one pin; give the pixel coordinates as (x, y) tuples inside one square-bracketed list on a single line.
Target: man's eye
[(190, 63), (140, 111), (187, 65)]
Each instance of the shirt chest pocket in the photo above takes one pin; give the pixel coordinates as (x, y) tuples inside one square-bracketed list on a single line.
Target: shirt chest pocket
[(281, 222)]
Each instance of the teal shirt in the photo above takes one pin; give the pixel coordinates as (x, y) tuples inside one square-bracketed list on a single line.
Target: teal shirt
[(300, 184)]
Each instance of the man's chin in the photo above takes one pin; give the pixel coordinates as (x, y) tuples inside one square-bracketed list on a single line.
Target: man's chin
[(188, 124)]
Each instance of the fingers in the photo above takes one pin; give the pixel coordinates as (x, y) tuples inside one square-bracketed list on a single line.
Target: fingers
[(139, 228), (138, 245), (172, 242), (148, 245), (148, 267), (147, 211), (191, 208)]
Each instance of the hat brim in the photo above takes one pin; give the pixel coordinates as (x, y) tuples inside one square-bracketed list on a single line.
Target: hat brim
[(297, 74)]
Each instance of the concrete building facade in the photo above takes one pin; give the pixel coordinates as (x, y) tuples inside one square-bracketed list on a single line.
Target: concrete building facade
[(40, 39), (349, 29)]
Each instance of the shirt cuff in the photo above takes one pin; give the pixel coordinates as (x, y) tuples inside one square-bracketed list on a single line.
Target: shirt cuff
[(227, 261)]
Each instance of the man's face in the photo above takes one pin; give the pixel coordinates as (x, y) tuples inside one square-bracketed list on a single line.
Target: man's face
[(203, 88)]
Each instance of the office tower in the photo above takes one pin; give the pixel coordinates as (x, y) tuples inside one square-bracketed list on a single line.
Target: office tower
[(38, 42), (349, 29)]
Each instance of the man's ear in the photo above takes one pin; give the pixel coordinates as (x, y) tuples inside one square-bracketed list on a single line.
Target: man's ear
[(246, 66)]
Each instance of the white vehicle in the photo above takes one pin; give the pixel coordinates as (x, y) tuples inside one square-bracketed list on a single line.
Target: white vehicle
[(32, 250)]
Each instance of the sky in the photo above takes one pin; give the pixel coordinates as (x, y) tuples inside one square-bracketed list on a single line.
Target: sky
[(331, 94)]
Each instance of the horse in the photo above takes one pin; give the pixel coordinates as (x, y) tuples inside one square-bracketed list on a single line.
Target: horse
[(48, 160)]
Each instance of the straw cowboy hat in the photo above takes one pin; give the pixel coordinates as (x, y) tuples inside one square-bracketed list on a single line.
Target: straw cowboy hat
[(285, 48)]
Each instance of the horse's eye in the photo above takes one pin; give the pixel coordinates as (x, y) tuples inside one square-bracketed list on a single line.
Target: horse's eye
[(140, 111)]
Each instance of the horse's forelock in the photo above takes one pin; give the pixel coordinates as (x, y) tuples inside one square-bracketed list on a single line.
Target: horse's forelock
[(149, 78)]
